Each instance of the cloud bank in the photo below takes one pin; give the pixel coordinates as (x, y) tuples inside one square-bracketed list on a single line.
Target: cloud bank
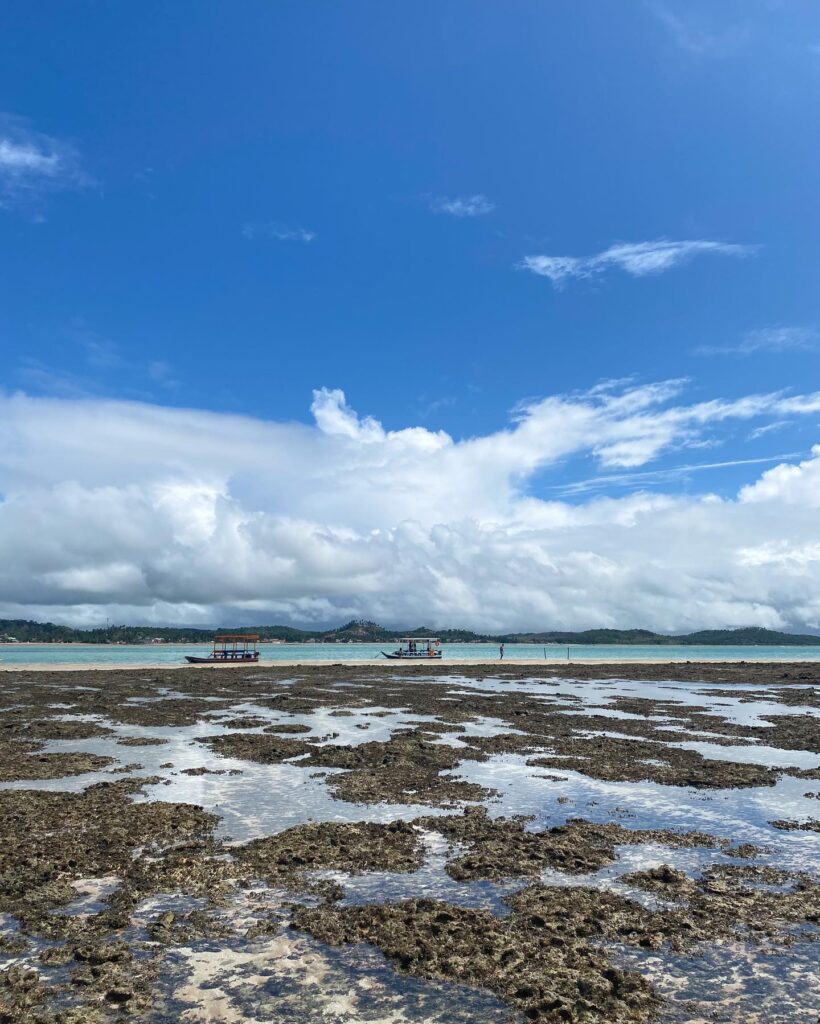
[(152, 514)]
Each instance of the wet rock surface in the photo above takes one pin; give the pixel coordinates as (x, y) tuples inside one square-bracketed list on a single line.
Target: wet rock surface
[(352, 847), (178, 929), (256, 747), (405, 769), (545, 957), (111, 872), (797, 826), (18, 725), (141, 741), (556, 979), (725, 901), (50, 839), (616, 760), (245, 722), (499, 848), (25, 760)]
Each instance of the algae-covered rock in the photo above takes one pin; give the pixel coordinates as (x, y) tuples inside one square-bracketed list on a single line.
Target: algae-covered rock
[(796, 826), (178, 929), (503, 848), (354, 846), (619, 760), (49, 838), (258, 747), (546, 975), (23, 760), (21, 991)]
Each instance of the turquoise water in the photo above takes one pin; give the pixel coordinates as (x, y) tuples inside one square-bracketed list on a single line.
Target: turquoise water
[(174, 654)]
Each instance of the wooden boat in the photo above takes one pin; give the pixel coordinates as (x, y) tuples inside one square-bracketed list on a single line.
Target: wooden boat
[(418, 647), (230, 649)]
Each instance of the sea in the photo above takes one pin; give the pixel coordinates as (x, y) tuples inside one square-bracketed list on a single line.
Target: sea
[(70, 655)]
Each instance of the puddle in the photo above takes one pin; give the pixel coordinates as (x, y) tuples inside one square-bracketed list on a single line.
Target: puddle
[(732, 983), (291, 977), (771, 757), (741, 815), (92, 895), (431, 881)]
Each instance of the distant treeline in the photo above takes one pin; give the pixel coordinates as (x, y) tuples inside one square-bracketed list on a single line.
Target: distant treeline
[(47, 632)]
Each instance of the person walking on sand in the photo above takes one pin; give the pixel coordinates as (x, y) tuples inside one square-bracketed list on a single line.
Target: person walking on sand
[(501, 653)]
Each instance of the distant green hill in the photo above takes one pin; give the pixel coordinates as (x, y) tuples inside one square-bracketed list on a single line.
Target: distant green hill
[(726, 637), (371, 632)]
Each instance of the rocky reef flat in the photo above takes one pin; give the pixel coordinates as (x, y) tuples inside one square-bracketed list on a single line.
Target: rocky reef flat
[(343, 843)]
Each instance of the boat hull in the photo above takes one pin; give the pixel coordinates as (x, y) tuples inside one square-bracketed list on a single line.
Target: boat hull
[(221, 661), (412, 657)]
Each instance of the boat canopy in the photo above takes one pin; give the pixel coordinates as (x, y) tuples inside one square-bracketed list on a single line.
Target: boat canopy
[(420, 640), (235, 644), (230, 647)]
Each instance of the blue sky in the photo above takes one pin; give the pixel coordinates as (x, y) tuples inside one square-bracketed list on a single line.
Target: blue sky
[(443, 210)]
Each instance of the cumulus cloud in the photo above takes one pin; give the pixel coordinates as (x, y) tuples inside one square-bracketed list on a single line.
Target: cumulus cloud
[(278, 232), (461, 206), (153, 514), (639, 259), (33, 164)]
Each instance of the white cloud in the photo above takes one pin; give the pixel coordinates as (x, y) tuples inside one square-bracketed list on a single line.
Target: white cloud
[(609, 481), (697, 40), (98, 360), (556, 268), (33, 164), (278, 232), (461, 206), (768, 428), (766, 339), (788, 484), (639, 259), (147, 513), (22, 158)]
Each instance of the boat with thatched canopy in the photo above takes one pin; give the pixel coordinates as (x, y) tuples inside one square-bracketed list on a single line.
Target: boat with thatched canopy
[(230, 649)]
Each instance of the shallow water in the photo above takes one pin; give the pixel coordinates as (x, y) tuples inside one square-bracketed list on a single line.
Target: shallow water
[(251, 800), (149, 655), (734, 983), (291, 977), (739, 814)]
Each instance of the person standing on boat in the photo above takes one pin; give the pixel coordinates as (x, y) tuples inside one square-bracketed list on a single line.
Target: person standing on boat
[(501, 653)]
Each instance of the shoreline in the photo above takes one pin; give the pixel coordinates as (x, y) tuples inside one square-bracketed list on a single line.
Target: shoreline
[(550, 663)]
